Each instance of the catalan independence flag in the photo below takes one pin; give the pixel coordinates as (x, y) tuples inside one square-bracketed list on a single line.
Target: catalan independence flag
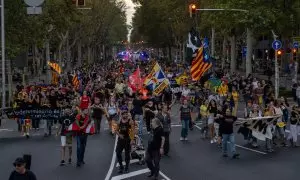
[(76, 82), (55, 67), (200, 65)]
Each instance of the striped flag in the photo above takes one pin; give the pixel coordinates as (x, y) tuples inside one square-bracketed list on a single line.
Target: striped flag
[(199, 65), (55, 67), (76, 82)]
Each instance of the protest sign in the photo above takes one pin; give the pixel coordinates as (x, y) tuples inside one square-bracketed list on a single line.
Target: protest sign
[(34, 113)]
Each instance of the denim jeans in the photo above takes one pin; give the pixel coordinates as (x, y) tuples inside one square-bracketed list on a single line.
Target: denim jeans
[(184, 127), (140, 119), (81, 144), (228, 142)]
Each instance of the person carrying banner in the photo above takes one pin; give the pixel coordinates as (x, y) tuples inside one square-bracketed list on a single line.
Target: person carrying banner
[(123, 130), (294, 120)]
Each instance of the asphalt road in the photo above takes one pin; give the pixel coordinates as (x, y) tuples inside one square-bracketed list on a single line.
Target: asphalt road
[(195, 159)]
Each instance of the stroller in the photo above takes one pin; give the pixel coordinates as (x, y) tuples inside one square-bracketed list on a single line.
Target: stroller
[(138, 150)]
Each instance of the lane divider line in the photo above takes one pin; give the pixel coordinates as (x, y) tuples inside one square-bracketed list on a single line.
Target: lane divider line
[(113, 161)]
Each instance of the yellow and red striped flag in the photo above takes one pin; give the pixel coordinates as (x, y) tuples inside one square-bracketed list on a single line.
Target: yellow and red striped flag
[(76, 82), (55, 67), (199, 65)]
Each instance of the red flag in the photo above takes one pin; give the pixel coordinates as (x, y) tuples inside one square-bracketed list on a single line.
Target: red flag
[(135, 80)]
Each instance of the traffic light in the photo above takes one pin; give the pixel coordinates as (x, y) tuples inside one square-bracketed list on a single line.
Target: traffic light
[(295, 51), (80, 2), (279, 53), (192, 10)]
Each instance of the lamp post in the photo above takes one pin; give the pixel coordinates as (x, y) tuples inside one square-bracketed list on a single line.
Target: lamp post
[(3, 54)]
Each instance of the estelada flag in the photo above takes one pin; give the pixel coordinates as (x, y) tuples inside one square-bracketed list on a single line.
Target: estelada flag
[(135, 81)]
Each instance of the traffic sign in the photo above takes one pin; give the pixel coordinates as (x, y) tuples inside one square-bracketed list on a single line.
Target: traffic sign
[(34, 10), (276, 45), (296, 44), (34, 3), (244, 51), (205, 42)]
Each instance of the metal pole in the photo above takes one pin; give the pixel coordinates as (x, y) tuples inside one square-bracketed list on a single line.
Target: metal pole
[(3, 54), (239, 10), (276, 76)]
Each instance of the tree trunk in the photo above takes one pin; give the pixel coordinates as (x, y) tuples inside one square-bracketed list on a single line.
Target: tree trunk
[(213, 45), (47, 47), (249, 52), (233, 54), (224, 52), (89, 54), (79, 53)]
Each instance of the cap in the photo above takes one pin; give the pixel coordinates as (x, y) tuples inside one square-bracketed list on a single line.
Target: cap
[(19, 160)]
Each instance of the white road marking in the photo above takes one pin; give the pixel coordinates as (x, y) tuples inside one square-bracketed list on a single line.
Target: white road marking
[(131, 174), (10, 130), (242, 147), (113, 160), (249, 149), (133, 161), (288, 131), (198, 127), (164, 176)]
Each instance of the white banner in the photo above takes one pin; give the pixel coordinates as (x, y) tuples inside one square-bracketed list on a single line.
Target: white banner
[(261, 127)]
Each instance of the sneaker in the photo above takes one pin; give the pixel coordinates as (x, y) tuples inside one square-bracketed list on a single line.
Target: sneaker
[(78, 164), (70, 161), (62, 162), (150, 175), (181, 138), (236, 156), (185, 139), (120, 170), (126, 170), (211, 141)]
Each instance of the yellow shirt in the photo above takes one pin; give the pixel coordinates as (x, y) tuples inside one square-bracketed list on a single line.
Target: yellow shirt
[(235, 96), (223, 90), (203, 110)]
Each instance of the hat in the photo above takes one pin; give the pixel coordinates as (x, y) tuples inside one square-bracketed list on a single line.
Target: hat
[(19, 160)]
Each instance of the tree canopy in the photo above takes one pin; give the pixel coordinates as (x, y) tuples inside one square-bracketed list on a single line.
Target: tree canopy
[(165, 22), (103, 24)]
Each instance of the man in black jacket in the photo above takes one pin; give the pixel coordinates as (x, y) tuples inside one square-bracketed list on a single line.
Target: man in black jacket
[(155, 148), (226, 131), (21, 173)]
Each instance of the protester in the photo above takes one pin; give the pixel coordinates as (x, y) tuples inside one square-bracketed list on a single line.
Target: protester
[(20, 172), (124, 140), (155, 148), (82, 120), (65, 135)]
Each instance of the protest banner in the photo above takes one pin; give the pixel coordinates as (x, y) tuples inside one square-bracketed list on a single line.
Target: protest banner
[(34, 113), (261, 127)]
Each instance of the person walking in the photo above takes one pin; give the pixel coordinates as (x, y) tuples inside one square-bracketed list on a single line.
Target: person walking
[(186, 117), (155, 148), (20, 172), (226, 131), (124, 141), (165, 118), (82, 120)]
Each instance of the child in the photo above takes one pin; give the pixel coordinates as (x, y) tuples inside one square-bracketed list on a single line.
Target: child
[(26, 124), (65, 135)]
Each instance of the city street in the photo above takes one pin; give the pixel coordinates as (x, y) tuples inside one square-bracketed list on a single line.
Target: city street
[(195, 159)]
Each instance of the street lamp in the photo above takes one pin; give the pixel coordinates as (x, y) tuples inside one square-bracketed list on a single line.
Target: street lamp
[(3, 54)]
